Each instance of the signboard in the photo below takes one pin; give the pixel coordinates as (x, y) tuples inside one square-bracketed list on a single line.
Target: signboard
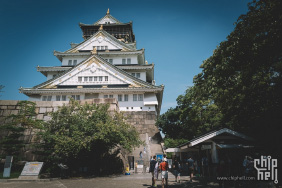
[(204, 147), (159, 157), (140, 162), (7, 166), (32, 169)]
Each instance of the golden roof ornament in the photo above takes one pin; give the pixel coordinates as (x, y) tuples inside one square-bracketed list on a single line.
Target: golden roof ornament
[(94, 51), (108, 12), (101, 27)]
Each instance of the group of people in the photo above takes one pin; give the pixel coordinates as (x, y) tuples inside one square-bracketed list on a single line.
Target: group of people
[(156, 167), (162, 166)]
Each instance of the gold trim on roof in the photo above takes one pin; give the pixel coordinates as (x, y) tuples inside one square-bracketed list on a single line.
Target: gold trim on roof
[(124, 49), (108, 11), (94, 51)]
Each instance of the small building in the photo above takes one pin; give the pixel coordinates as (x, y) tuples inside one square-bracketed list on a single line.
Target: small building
[(217, 144)]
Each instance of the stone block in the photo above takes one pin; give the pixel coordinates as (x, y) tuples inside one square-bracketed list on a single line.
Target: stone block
[(59, 103), (8, 102), (150, 121), (2, 120), (42, 110), (44, 103), (6, 112), (49, 109), (15, 112), (39, 117), (37, 110), (11, 107), (3, 107), (47, 118)]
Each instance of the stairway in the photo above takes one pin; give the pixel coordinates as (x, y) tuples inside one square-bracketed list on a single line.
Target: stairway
[(150, 148)]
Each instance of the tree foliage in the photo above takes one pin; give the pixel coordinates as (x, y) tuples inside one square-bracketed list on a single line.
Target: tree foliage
[(14, 127), (83, 135), (240, 84)]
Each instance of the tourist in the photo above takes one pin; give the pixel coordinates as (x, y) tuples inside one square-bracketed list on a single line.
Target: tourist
[(153, 165), (164, 171), (164, 157), (176, 167), (140, 154), (191, 167), (205, 164)]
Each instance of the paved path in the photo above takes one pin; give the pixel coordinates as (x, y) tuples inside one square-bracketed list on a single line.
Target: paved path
[(122, 181)]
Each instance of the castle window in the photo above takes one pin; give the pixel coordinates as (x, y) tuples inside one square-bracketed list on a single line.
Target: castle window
[(140, 97), (102, 47), (133, 74), (128, 61), (98, 47), (70, 62), (105, 96), (119, 97), (79, 79), (95, 78), (74, 62), (58, 97), (111, 61), (44, 98), (134, 97), (64, 98), (90, 79), (106, 78), (123, 61), (125, 97), (111, 96), (49, 98), (100, 78), (77, 97), (106, 47), (137, 75), (85, 79)]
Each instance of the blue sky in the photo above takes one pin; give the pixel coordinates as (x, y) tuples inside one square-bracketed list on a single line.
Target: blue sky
[(178, 35)]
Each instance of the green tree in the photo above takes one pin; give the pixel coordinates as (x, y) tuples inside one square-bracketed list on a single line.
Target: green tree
[(243, 76), (13, 128), (240, 84), (85, 135)]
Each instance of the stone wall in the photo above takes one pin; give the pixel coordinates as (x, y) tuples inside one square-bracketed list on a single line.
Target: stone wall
[(144, 121), (8, 107)]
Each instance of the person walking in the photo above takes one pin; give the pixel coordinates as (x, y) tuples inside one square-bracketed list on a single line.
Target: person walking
[(140, 155), (153, 164), (191, 167), (164, 171), (176, 167)]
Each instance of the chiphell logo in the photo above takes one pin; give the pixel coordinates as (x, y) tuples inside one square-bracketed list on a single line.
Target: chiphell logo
[(267, 168)]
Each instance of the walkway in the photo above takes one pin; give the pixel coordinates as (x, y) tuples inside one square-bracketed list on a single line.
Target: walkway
[(133, 181)]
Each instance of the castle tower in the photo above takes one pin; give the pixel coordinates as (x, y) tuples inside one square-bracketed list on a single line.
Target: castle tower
[(106, 64)]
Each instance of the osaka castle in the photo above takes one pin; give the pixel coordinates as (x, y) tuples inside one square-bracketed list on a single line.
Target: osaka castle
[(106, 64)]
